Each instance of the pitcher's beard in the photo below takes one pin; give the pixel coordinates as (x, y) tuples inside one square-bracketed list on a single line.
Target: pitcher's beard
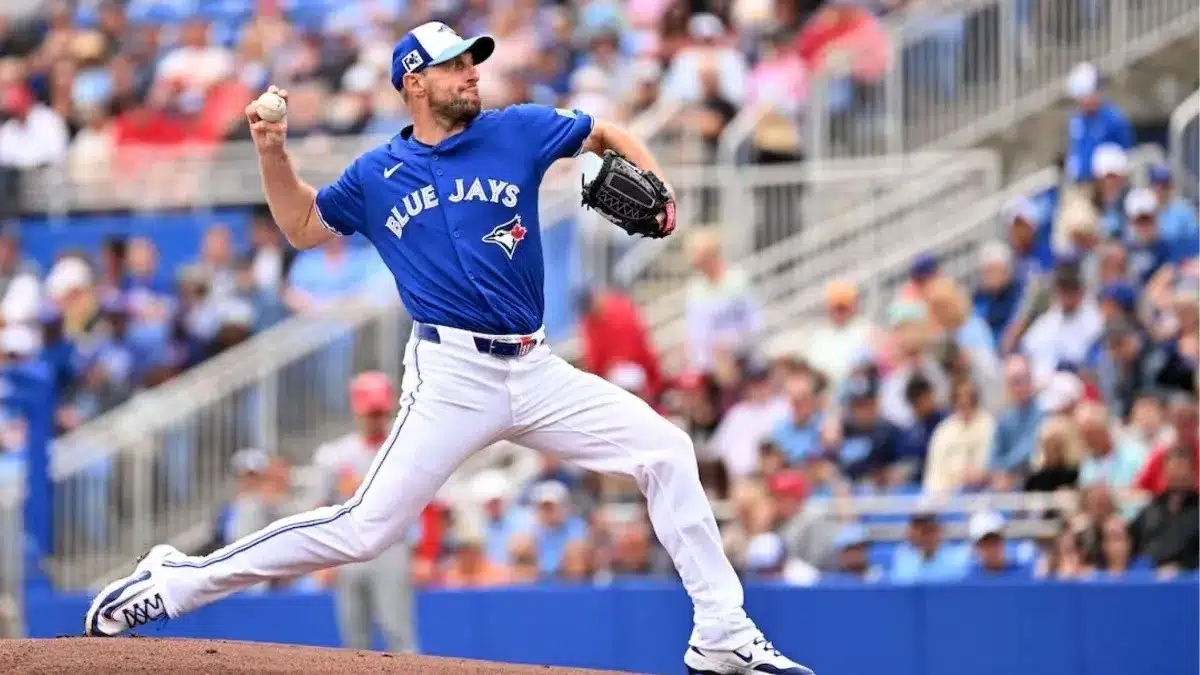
[(458, 110)]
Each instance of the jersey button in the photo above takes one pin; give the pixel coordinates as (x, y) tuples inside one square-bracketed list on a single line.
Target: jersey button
[(471, 275), (439, 172), (435, 156), (457, 234)]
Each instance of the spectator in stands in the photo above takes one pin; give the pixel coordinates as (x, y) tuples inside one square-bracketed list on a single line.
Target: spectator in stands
[(1146, 426), (1029, 239), (491, 490), (798, 434), (923, 271), (523, 559), (576, 562), (555, 526), (193, 67), (1167, 531), (958, 451), (217, 258), (722, 313), (925, 557), (844, 33), (1053, 466), (471, 567), (767, 560), (708, 47), (870, 445), (957, 325), (271, 257), (1105, 462), (991, 560), (1116, 550), (1110, 170), (1148, 249), (1177, 222), (69, 288), (910, 336), (914, 446), (613, 335), (254, 506), (1063, 560), (999, 292), (843, 336), (33, 136), (707, 117), (1095, 121), (13, 261), (779, 80), (1129, 363), (853, 561), (1017, 427), (1065, 332), (1185, 420), (754, 419)]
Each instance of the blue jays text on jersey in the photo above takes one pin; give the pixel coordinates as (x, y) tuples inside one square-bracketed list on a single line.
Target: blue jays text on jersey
[(457, 223)]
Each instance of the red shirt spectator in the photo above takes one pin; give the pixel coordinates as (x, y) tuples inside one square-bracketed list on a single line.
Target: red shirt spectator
[(845, 31), (1185, 418), (613, 334)]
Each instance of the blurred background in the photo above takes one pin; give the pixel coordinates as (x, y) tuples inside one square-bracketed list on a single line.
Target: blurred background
[(932, 318)]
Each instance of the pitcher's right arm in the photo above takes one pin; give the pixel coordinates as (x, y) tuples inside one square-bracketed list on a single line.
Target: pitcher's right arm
[(291, 200)]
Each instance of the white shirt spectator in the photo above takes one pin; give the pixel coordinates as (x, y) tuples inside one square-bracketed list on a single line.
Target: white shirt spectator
[(1056, 337), (683, 77), (722, 315), (743, 428), (958, 446), (38, 140), (198, 68), (834, 349)]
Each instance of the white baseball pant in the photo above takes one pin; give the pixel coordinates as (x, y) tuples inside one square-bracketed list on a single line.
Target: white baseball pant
[(455, 401)]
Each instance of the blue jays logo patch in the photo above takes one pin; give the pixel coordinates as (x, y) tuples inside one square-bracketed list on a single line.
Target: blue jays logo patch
[(507, 236)]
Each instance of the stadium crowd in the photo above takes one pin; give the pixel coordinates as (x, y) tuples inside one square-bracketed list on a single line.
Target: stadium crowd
[(1069, 364)]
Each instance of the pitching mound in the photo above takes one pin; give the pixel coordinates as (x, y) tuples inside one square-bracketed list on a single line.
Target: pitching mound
[(128, 656)]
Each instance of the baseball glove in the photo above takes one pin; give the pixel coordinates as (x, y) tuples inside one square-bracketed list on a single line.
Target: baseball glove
[(633, 199)]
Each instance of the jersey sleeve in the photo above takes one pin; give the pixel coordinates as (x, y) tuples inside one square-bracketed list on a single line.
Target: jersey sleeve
[(556, 132), (340, 204)]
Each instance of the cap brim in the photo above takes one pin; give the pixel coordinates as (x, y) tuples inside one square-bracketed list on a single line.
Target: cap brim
[(480, 46)]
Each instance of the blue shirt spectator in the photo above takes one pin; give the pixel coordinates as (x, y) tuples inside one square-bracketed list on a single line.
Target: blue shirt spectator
[(925, 558), (1017, 428), (1096, 121), (869, 442), (914, 440), (1177, 223), (799, 434), (1030, 237), (320, 276), (554, 528), (992, 560)]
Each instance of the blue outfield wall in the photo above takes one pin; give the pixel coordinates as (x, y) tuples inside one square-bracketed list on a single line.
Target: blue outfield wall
[(1098, 628)]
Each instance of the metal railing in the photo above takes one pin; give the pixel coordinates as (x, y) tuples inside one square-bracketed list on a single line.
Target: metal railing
[(858, 209), (1185, 146), (979, 68), (12, 557), (956, 244), (155, 468)]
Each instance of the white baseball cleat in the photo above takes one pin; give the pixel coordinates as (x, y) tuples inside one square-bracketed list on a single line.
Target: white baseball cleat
[(759, 657), (131, 601)]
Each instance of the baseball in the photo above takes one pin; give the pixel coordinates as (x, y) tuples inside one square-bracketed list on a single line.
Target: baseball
[(270, 107)]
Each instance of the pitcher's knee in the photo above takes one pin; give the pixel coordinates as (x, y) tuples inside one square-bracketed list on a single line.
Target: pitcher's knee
[(371, 540), (671, 455)]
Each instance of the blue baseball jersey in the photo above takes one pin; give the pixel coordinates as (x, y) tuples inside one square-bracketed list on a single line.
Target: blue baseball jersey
[(457, 223)]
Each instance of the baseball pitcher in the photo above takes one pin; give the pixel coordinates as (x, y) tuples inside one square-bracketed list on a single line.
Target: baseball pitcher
[(451, 204)]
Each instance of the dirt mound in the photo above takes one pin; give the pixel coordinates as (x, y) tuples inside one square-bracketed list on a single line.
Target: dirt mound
[(128, 656)]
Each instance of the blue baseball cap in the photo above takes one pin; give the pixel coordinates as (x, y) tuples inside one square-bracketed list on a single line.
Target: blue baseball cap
[(1122, 294), (432, 43), (1160, 174), (923, 266)]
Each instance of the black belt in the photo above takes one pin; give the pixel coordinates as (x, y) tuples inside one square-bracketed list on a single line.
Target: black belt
[(498, 347)]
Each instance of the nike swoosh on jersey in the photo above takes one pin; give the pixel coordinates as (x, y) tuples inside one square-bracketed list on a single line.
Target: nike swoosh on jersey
[(387, 173)]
